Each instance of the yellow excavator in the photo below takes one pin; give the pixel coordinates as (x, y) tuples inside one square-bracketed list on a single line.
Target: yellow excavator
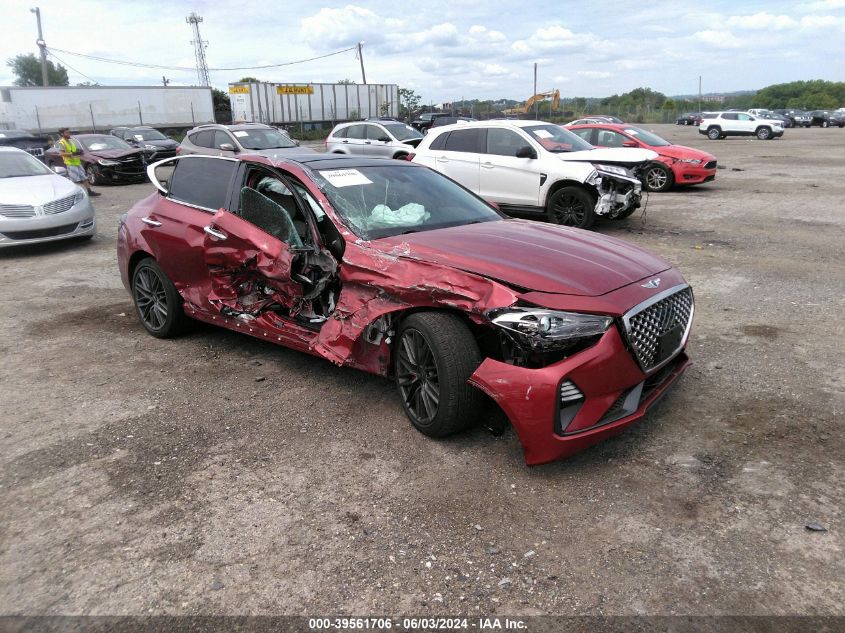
[(554, 95)]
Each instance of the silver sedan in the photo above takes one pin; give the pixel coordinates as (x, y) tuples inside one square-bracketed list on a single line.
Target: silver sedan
[(38, 205)]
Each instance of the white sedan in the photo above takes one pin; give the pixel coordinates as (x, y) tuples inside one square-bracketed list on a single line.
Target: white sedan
[(38, 205)]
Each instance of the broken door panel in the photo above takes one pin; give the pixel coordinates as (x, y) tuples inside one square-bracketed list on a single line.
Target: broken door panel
[(249, 269)]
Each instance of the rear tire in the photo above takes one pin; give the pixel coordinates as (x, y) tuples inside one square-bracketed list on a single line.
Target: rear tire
[(825, 123), (714, 133), (572, 206), (158, 304), (433, 357)]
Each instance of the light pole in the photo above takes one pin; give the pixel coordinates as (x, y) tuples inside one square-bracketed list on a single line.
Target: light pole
[(43, 46)]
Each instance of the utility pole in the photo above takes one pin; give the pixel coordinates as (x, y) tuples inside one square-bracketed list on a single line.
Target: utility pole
[(361, 57), (199, 49), (43, 46), (164, 81), (699, 93), (536, 103)]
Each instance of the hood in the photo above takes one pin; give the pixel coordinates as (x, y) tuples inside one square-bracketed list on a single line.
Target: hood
[(35, 190), (681, 151), (533, 255), (115, 153), (613, 155), (166, 143)]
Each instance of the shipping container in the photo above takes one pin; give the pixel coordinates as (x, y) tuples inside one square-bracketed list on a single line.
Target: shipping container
[(287, 103), (100, 108)]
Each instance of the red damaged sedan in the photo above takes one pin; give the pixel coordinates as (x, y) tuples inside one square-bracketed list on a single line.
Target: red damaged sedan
[(392, 268), (675, 165)]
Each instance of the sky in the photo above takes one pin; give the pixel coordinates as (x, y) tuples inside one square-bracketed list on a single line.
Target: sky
[(446, 50)]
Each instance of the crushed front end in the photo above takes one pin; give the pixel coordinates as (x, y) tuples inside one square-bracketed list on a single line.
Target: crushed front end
[(569, 379), (619, 190)]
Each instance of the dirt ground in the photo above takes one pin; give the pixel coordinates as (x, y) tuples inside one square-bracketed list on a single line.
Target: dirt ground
[(216, 474)]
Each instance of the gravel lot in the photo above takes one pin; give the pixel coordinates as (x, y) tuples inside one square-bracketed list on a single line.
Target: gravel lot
[(217, 474)]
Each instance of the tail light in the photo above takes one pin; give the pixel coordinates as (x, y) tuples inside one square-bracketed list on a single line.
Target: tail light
[(410, 156)]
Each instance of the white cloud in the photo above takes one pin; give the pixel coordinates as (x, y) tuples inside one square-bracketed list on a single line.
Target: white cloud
[(762, 20), (822, 5), (346, 26), (719, 39), (820, 21), (477, 29), (635, 64), (493, 70), (595, 74)]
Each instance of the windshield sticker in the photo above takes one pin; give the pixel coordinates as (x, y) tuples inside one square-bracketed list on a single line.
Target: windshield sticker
[(543, 133), (139, 137), (346, 177), (241, 133), (2, 135), (631, 132)]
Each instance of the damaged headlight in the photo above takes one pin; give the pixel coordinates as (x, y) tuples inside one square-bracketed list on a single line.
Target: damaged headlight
[(538, 328), (107, 163), (690, 161), (612, 169)]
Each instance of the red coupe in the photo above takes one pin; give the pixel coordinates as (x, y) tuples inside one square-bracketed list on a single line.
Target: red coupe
[(392, 268), (676, 164)]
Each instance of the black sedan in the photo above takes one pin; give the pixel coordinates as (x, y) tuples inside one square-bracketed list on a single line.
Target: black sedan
[(824, 118), (153, 143)]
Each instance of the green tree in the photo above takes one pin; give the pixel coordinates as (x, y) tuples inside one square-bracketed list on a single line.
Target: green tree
[(346, 82), (28, 71), (409, 101), (222, 106), (248, 80)]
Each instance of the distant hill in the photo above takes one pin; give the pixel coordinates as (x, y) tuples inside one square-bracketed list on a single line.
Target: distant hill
[(728, 95)]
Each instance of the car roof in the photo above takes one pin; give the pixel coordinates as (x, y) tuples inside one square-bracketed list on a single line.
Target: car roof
[(9, 148), (329, 161)]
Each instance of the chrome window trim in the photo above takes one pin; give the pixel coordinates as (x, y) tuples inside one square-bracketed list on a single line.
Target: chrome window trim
[(152, 167), (626, 320)]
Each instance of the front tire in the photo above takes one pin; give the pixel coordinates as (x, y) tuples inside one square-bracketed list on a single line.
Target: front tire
[(825, 123), (157, 302), (714, 133), (572, 206), (658, 178), (433, 357), (93, 176), (763, 133)]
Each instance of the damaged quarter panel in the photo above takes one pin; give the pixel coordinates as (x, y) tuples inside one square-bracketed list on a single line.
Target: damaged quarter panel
[(391, 268)]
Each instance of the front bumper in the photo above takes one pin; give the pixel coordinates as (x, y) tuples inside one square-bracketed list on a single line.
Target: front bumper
[(121, 173), (687, 174), (608, 377), (78, 221)]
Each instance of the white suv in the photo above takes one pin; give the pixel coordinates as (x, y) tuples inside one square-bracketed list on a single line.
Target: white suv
[(388, 139), (721, 124), (533, 167)]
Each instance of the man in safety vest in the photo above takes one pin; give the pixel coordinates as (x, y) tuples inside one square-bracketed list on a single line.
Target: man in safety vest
[(70, 154)]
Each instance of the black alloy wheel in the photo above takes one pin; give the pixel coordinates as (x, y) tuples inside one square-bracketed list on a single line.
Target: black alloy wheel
[(572, 206), (434, 355)]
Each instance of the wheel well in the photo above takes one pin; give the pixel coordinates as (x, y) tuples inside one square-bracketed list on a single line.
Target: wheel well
[(136, 258), (713, 127), (400, 155), (560, 184)]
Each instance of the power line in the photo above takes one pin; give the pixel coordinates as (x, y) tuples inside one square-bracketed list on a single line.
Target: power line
[(64, 63), (162, 67)]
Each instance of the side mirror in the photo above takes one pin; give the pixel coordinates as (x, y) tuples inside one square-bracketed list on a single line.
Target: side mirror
[(60, 170), (384, 139), (295, 142), (629, 144), (495, 205), (227, 147), (526, 151)]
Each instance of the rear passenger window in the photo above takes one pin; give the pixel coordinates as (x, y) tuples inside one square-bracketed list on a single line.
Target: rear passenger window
[(463, 141), (341, 133), (439, 142), (730, 116), (202, 182), (357, 131), (203, 139)]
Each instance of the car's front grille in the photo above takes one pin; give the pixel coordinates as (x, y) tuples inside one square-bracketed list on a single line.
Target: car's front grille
[(657, 329), (710, 164), (17, 211), (59, 206), (37, 233)]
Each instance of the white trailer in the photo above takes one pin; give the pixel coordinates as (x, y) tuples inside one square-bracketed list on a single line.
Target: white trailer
[(285, 103), (100, 108)]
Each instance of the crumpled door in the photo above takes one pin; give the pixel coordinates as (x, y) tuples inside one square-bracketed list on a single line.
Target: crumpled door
[(250, 270)]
